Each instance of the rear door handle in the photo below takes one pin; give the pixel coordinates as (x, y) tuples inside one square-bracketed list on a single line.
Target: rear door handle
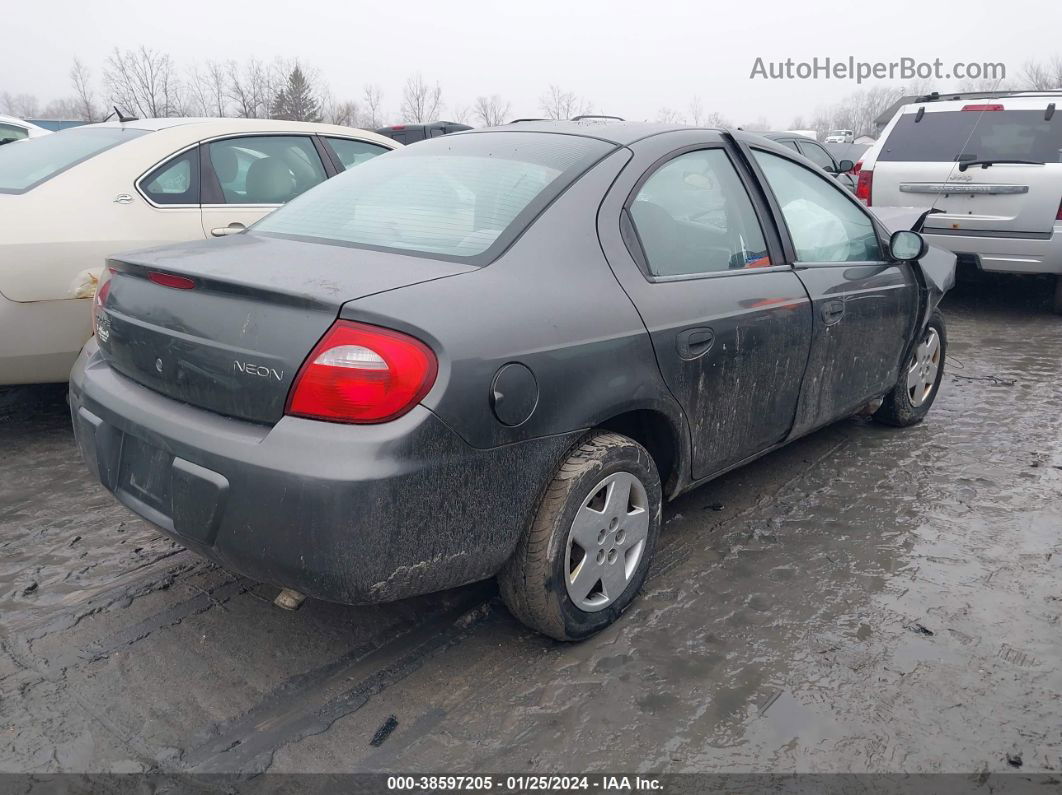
[(832, 311), (695, 342), (231, 229)]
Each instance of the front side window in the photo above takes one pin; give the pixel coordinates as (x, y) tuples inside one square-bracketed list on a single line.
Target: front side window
[(454, 196), (37, 160), (176, 181), (694, 216), (265, 169), (351, 152), (824, 224)]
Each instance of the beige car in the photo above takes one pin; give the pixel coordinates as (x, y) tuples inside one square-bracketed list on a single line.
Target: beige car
[(70, 199)]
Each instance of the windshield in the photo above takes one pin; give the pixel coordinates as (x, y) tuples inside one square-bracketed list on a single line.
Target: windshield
[(955, 136), (36, 160), (454, 196)]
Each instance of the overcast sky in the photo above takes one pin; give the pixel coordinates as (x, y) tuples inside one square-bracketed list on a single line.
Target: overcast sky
[(627, 58)]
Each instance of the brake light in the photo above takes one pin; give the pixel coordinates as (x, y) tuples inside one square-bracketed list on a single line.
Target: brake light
[(170, 280), (982, 107), (99, 300), (864, 184), (362, 374)]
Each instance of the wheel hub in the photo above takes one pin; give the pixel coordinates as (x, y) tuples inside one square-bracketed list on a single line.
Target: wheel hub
[(924, 367), (606, 541)]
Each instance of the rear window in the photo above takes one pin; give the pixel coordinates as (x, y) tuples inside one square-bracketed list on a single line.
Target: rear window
[(954, 136), (36, 160), (463, 197)]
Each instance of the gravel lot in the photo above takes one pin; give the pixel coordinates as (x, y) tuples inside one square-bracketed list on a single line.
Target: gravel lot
[(866, 599)]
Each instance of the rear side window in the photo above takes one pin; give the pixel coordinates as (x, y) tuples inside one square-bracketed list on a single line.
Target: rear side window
[(351, 152), (456, 196), (954, 136), (265, 169), (176, 181), (825, 225), (36, 160), (693, 216)]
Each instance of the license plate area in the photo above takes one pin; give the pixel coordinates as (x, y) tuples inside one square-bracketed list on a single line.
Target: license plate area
[(145, 473)]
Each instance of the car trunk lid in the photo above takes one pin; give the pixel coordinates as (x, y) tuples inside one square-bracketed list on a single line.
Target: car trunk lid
[(224, 325)]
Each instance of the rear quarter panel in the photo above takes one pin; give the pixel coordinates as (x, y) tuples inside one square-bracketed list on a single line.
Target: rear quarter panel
[(551, 303)]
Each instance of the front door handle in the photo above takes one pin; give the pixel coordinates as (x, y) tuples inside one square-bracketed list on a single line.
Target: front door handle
[(693, 343), (231, 229), (832, 311)]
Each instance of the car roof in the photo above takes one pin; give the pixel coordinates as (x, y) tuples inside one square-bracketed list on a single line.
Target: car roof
[(781, 136), (620, 133), (208, 127)]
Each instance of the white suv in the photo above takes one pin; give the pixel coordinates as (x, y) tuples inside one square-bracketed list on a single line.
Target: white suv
[(993, 166)]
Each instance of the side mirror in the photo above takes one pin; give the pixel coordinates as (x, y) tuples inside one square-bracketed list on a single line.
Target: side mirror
[(845, 166), (907, 246)]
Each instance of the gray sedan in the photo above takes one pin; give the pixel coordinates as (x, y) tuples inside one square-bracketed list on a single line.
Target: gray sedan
[(495, 354)]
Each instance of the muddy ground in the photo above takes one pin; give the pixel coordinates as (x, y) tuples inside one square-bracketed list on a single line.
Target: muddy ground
[(867, 599)]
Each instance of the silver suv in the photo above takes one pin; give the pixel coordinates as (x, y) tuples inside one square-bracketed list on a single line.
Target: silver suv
[(993, 166)]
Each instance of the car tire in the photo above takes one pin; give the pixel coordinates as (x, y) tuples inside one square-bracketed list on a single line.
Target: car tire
[(913, 395), (551, 564), (1057, 304)]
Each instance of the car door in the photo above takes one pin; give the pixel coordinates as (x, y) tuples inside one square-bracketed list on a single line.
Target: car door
[(246, 177), (864, 305), (730, 323)]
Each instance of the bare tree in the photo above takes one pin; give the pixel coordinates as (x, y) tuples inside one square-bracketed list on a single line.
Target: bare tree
[(696, 112), (208, 93), (251, 89), (420, 102), (491, 111), (559, 104), (346, 113), (85, 107), (669, 116), (22, 105), (61, 109), (372, 99), (717, 119), (144, 82), (1043, 76)]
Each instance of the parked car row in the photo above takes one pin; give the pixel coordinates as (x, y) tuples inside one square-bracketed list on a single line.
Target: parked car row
[(991, 168), (490, 355), (14, 129)]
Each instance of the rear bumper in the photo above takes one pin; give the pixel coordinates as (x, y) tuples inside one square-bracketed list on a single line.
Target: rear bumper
[(345, 513), (1006, 254), (39, 340)]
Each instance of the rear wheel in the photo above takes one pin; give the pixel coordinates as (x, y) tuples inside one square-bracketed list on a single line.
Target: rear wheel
[(909, 401), (588, 551)]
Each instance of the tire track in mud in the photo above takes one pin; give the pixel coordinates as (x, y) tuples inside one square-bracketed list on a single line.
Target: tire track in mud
[(310, 703)]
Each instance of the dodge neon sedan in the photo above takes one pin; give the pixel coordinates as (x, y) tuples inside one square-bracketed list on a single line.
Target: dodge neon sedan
[(495, 354)]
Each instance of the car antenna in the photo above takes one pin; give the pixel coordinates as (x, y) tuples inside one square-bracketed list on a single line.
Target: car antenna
[(121, 116)]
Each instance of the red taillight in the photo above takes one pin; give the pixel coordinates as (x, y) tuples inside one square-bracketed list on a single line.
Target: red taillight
[(169, 280), (361, 373), (982, 107), (864, 184), (1059, 216), (103, 289)]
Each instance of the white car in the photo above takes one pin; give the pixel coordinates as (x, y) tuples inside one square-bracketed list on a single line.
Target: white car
[(70, 199), (13, 129), (991, 168), (839, 137)]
